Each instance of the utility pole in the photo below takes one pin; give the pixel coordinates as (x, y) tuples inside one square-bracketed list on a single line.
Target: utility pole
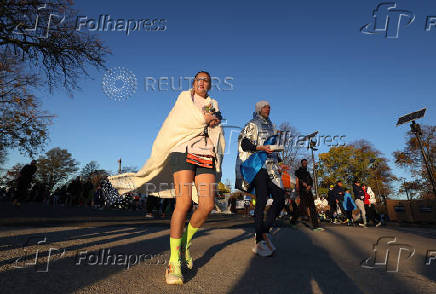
[(409, 198), (312, 146), (407, 190), (119, 166), (374, 163)]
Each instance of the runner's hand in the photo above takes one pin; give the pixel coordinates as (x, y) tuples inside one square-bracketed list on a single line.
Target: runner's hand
[(264, 148), (211, 119)]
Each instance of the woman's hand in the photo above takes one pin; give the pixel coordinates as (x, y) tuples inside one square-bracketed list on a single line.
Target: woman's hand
[(211, 120), (264, 148)]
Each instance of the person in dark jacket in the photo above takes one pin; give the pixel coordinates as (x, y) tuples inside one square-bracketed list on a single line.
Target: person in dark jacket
[(337, 196), (358, 191), (359, 197), (303, 186), (331, 198), (267, 181), (98, 198), (339, 191)]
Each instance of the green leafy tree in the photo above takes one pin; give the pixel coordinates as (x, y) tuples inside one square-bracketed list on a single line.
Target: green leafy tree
[(90, 168), (222, 188), (410, 188), (410, 159), (55, 167), (23, 125), (9, 179), (39, 46), (97, 176), (357, 160)]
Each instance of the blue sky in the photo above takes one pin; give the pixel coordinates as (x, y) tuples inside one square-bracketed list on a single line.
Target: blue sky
[(308, 58)]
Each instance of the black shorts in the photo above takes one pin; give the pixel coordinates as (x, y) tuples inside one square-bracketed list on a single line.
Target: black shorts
[(306, 198), (177, 160)]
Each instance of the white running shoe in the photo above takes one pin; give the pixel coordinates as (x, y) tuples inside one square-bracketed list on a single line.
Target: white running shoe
[(378, 224), (173, 274), (268, 242), (262, 249)]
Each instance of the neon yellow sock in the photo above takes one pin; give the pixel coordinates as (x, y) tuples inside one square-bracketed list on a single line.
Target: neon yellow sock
[(187, 239), (175, 245)]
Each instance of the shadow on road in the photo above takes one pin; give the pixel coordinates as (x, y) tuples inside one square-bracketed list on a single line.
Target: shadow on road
[(299, 266), (212, 251)]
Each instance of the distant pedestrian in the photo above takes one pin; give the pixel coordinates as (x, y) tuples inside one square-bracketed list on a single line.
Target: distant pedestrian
[(152, 205), (370, 202), (331, 198), (359, 196), (303, 186), (348, 205)]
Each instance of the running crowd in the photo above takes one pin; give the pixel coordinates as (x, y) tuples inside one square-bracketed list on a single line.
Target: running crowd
[(364, 201), (188, 152), (338, 207)]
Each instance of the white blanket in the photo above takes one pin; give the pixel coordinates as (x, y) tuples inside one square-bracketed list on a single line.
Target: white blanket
[(184, 122)]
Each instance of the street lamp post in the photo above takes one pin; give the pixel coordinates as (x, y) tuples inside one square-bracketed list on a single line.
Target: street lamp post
[(315, 176), (375, 166)]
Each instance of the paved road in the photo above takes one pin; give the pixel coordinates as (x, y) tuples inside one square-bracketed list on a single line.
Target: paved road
[(306, 261)]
